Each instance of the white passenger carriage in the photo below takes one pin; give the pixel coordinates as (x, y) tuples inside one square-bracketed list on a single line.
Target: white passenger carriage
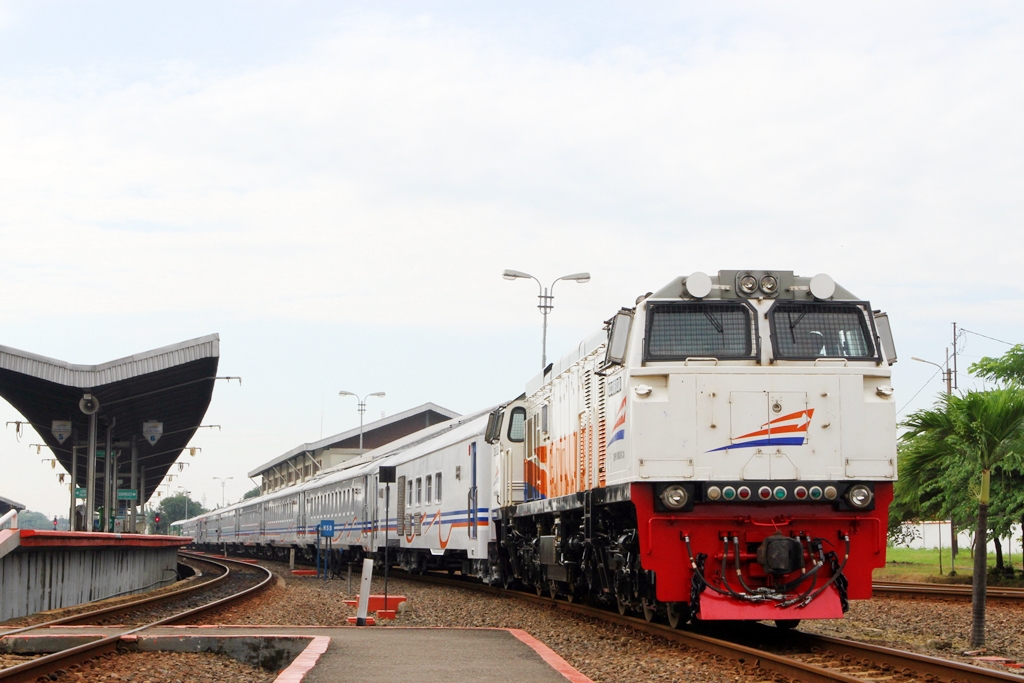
[(437, 515)]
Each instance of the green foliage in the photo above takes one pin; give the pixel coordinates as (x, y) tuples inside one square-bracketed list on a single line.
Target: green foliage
[(947, 448), (28, 519), (1008, 368), (172, 509), (251, 493), (943, 454)]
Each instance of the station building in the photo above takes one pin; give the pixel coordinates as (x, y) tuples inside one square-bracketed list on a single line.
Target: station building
[(305, 461)]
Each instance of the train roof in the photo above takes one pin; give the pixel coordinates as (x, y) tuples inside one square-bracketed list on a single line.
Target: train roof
[(396, 454)]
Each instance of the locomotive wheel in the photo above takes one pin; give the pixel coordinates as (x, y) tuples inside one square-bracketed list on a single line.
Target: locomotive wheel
[(787, 624), (676, 613), (552, 589), (622, 605), (539, 587), (650, 608)]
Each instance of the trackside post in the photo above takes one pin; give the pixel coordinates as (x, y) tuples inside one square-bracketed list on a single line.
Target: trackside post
[(364, 592)]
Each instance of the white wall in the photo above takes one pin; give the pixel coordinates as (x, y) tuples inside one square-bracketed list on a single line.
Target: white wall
[(929, 534)]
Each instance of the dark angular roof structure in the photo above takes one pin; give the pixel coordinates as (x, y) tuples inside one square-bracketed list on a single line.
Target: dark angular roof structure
[(172, 385)]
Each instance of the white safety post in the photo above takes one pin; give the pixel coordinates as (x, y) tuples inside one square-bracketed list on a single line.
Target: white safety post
[(364, 592)]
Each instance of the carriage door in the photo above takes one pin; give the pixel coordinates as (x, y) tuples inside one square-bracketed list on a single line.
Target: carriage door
[(472, 508), (376, 507)]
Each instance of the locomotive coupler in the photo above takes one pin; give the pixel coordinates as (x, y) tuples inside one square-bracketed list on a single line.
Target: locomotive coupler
[(779, 555)]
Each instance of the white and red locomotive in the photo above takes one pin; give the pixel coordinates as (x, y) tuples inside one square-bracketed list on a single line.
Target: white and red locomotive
[(725, 449)]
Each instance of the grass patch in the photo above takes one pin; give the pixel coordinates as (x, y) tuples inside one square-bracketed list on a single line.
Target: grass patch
[(912, 564)]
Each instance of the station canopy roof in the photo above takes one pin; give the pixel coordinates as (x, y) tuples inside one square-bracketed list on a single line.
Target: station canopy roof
[(375, 434), (172, 385)]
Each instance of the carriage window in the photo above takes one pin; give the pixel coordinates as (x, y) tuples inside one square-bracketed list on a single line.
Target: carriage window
[(806, 330), (430, 489), (517, 425), (419, 490), (677, 331)]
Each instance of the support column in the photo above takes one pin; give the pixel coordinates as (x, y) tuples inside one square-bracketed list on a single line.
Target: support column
[(135, 482), (90, 476), (74, 481), (109, 455), (142, 497), (115, 468)]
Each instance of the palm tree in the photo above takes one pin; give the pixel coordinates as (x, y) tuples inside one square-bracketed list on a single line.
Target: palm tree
[(984, 429)]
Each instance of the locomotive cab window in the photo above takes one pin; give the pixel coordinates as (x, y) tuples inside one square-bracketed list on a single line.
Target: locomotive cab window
[(809, 330), (681, 330), (517, 425)]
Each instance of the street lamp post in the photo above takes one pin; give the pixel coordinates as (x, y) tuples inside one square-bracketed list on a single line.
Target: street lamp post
[(947, 374), (362, 410), (545, 297), (222, 483), (186, 492)]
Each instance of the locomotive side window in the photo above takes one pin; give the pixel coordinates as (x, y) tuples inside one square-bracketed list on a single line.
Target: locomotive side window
[(437, 487), (677, 331), (517, 425), (430, 489), (419, 491), (805, 330)]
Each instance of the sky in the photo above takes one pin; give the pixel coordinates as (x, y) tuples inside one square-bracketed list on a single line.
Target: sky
[(335, 189)]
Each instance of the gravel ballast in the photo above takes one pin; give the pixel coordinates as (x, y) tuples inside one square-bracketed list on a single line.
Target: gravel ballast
[(605, 652), (164, 667)]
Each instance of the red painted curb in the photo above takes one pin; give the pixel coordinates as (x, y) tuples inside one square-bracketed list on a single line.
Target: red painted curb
[(551, 657), (305, 661)]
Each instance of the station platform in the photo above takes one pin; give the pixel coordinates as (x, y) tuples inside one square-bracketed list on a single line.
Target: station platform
[(45, 570), (323, 654)]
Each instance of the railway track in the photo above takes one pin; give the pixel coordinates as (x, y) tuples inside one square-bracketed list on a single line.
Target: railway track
[(944, 590), (233, 583), (767, 653)]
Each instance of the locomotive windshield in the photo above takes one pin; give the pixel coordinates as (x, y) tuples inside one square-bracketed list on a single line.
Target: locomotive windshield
[(805, 330), (677, 331)]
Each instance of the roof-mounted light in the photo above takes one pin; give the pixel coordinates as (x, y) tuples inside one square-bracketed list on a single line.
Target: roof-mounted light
[(769, 284), (698, 285), (748, 284), (822, 286)]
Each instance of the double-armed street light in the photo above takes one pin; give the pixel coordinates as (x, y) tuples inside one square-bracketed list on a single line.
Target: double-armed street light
[(545, 298), (362, 410), (223, 481)]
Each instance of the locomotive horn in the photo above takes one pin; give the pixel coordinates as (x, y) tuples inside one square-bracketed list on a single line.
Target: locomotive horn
[(89, 404)]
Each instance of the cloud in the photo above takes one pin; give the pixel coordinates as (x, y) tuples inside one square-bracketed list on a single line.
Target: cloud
[(382, 176), (403, 155)]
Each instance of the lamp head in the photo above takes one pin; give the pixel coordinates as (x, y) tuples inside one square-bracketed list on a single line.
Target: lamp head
[(578, 277), (514, 274), (376, 393), (345, 393)]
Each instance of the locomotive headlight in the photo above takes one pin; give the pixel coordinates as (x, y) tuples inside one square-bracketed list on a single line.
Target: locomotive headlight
[(674, 497), (748, 284), (859, 496), (769, 283)]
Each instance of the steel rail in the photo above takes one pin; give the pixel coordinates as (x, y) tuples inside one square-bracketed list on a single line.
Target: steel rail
[(931, 668), (33, 669), (945, 590)]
